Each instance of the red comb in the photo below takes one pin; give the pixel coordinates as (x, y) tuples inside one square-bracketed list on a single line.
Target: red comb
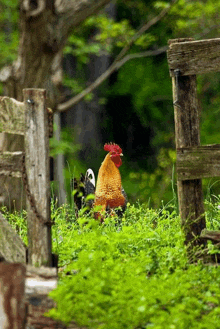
[(112, 147)]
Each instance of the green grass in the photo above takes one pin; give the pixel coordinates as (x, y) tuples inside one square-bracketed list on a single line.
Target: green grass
[(18, 220), (133, 273)]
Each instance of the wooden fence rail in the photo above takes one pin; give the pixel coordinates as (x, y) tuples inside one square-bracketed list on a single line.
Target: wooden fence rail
[(12, 116), (198, 162), (193, 57), (11, 163)]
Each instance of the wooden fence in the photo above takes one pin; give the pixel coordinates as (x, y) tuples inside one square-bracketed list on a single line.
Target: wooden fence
[(186, 59), (24, 288), (29, 118)]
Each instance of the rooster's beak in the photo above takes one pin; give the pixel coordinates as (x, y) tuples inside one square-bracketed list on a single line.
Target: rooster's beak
[(121, 154)]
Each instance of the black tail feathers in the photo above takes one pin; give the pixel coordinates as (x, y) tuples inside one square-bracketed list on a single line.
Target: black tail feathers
[(82, 188)]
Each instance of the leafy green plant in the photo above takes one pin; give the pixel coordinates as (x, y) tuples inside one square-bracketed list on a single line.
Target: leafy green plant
[(9, 37), (18, 220), (151, 188), (131, 272), (133, 275)]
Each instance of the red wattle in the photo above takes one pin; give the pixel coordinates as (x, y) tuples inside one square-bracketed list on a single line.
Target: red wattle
[(117, 160)]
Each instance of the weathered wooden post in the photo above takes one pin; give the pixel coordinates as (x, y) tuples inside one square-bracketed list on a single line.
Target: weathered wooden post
[(12, 297), (11, 123), (37, 182), (187, 132)]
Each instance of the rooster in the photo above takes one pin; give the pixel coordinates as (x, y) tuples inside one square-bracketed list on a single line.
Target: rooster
[(109, 193)]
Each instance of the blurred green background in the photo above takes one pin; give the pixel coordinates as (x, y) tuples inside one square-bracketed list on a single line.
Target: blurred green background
[(134, 106)]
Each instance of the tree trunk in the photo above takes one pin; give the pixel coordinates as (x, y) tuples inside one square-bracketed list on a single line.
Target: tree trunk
[(45, 27)]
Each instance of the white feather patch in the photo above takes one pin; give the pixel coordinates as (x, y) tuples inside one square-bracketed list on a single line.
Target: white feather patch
[(90, 174)]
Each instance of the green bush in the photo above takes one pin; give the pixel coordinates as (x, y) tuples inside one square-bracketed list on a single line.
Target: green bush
[(133, 274)]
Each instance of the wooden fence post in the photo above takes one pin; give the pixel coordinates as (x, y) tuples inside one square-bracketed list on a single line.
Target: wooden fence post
[(37, 173), (12, 298), (186, 115)]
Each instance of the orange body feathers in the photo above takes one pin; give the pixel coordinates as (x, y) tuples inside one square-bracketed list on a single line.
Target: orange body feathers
[(109, 193)]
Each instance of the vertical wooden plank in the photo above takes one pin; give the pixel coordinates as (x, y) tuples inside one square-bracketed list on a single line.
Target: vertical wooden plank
[(12, 299), (11, 116), (187, 133), (11, 122), (38, 183)]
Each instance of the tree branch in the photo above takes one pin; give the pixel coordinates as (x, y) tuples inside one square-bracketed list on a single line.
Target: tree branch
[(115, 66), (142, 54), (120, 60), (144, 28), (73, 13)]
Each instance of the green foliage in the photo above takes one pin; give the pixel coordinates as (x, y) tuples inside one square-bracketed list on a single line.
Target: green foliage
[(212, 205), (151, 94), (108, 34), (80, 48), (143, 185), (99, 35), (66, 145), (132, 275), (77, 86), (208, 93), (18, 220), (148, 83), (195, 18), (69, 148), (9, 37), (118, 34)]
